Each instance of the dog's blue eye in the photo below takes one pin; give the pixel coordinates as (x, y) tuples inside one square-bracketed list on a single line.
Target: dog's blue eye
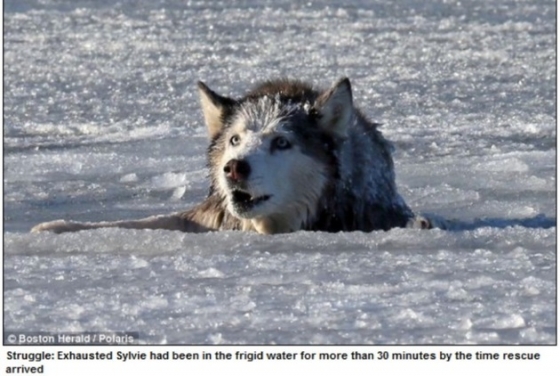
[(281, 143), (234, 141)]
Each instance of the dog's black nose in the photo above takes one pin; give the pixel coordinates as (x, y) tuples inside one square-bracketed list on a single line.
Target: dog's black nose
[(237, 170)]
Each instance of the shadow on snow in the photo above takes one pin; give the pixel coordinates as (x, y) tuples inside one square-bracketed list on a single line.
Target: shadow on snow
[(539, 221)]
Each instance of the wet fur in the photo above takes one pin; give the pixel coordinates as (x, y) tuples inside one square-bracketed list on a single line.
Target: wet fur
[(350, 184)]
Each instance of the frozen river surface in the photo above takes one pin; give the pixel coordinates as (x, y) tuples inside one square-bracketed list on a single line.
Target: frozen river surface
[(101, 122)]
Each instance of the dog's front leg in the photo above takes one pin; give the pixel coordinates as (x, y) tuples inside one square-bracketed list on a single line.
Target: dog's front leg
[(207, 216), (167, 222)]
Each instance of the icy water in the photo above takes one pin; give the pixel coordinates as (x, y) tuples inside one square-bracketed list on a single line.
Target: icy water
[(102, 122)]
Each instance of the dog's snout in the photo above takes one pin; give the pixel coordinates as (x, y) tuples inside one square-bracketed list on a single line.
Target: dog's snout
[(237, 170)]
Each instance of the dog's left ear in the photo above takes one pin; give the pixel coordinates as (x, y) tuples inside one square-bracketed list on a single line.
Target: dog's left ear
[(215, 109), (335, 108)]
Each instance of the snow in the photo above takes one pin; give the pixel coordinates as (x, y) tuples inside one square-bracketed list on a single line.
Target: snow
[(102, 122)]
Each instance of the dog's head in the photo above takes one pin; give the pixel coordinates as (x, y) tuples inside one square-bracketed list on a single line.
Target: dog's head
[(273, 152)]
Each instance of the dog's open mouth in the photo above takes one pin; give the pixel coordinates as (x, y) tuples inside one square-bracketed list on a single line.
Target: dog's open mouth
[(245, 201)]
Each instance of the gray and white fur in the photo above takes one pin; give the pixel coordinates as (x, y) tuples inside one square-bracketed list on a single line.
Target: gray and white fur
[(283, 158)]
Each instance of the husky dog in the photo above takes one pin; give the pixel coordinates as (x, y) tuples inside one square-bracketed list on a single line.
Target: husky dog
[(283, 158)]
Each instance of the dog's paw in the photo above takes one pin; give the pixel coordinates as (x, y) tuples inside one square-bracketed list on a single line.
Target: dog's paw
[(58, 226), (425, 223)]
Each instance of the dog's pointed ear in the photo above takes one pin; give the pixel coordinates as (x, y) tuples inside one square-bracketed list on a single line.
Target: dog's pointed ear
[(215, 108), (335, 108)]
